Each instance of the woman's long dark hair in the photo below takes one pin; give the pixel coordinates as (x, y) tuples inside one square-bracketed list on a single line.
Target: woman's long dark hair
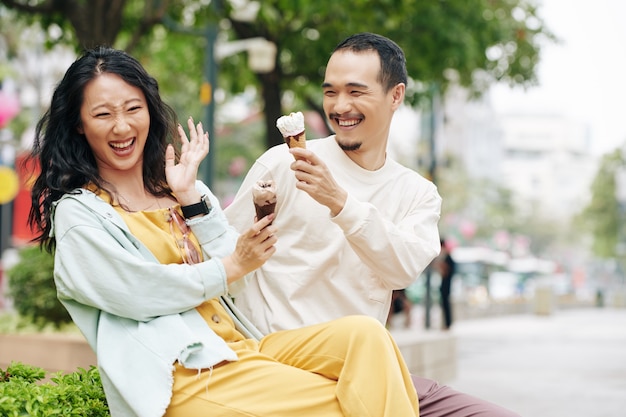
[(63, 154)]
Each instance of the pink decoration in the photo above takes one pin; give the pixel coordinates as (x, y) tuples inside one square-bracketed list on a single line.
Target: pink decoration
[(9, 107), (502, 239), (451, 243), (468, 229), (237, 166)]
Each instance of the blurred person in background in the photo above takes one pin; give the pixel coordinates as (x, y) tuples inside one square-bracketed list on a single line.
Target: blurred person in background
[(446, 267), (400, 304)]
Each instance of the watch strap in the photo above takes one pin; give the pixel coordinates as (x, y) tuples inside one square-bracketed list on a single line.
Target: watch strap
[(192, 210)]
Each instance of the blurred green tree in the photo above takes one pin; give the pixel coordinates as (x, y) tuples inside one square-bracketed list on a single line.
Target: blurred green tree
[(470, 42), (490, 208), (602, 216)]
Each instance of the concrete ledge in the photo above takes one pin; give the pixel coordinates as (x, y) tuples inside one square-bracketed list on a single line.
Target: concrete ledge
[(52, 352), (430, 355)]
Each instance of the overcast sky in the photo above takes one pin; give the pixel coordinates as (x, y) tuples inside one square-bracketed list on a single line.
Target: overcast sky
[(583, 77)]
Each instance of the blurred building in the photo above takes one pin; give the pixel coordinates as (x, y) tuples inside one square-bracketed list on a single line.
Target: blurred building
[(471, 132), (547, 162), (544, 159)]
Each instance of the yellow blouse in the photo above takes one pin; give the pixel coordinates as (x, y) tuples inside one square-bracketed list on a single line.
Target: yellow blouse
[(160, 234), (163, 237), (155, 229)]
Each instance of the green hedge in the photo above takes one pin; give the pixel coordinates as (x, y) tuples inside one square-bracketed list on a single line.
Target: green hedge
[(24, 393), (31, 286), (25, 390)]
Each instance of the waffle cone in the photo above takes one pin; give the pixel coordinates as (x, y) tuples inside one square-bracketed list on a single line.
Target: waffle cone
[(264, 210), (296, 141)]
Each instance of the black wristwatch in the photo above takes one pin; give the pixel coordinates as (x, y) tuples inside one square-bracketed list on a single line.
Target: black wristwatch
[(203, 207)]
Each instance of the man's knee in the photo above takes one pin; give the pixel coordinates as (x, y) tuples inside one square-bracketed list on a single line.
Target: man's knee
[(358, 324)]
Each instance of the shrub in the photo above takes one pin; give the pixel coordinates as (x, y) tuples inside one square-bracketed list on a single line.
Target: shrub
[(31, 286), (22, 393)]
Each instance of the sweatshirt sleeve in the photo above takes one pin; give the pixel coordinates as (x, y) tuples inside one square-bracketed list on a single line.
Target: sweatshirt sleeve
[(240, 212), (99, 265), (215, 235), (396, 252)]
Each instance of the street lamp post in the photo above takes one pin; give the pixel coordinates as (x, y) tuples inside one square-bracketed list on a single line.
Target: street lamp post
[(432, 171), (261, 59), (207, 97), (207, 93)]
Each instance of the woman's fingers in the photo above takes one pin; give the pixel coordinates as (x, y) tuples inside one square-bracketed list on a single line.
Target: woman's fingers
[(182, 135), (170, 156), (261, 237), (254, 247), (193, 130), (198, 138), (260, 225), (196, 146)]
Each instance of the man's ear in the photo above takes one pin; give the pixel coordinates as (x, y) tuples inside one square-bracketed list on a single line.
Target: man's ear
[(397, 95)]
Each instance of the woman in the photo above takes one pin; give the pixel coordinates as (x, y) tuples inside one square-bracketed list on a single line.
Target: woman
[(145, 259)]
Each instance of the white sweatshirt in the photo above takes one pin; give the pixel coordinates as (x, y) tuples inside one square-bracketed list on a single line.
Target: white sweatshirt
[(328, 267)]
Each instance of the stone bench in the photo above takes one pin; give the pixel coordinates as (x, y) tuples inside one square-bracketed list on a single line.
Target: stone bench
[(52, 352), (429, 354)]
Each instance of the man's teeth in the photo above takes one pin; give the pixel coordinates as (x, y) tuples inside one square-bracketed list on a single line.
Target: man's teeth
[(347, 122), (122, 145)]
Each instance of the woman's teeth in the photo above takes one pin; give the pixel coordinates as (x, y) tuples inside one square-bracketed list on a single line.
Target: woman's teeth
[(122, 145)]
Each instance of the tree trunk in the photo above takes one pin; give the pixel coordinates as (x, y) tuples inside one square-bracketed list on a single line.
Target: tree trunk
[(96, 22), (270, 91)]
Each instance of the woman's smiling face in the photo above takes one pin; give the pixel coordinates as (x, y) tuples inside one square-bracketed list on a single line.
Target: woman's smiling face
[(115, 121)]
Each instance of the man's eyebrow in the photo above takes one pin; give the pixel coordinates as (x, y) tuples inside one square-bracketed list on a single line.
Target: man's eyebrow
[(352, 84)]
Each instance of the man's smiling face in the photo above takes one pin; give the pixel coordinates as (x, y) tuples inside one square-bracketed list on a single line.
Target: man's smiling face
[(358, 108)]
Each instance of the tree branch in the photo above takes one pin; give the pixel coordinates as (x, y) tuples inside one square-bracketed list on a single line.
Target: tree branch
[(152, 17), (45, 7)]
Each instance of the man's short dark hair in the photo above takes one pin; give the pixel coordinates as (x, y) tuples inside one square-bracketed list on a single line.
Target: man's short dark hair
[(392, 59)]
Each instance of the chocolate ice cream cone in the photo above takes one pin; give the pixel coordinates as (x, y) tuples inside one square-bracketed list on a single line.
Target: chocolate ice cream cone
[(264, 198)]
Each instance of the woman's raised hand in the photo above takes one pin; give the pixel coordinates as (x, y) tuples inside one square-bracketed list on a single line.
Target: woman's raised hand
[(181, 176)]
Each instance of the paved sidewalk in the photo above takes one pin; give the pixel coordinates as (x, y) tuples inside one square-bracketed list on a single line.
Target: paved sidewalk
[(568, 364)]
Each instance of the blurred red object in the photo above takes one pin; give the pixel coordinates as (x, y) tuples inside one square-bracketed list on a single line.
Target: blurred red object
[(27, 170)]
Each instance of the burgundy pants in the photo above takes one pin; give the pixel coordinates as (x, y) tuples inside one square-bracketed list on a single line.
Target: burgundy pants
[(441, 401)]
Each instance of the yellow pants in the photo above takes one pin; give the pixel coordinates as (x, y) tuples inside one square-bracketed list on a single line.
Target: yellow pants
[(347, 367)]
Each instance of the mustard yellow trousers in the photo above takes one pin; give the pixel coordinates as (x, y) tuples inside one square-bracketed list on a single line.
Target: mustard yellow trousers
[(346, 367)]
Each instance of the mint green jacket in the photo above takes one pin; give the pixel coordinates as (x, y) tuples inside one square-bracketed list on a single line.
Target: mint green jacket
[(137, 314)]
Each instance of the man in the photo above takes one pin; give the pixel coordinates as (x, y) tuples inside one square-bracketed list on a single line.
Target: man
[(446, 267), (353, 225)]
